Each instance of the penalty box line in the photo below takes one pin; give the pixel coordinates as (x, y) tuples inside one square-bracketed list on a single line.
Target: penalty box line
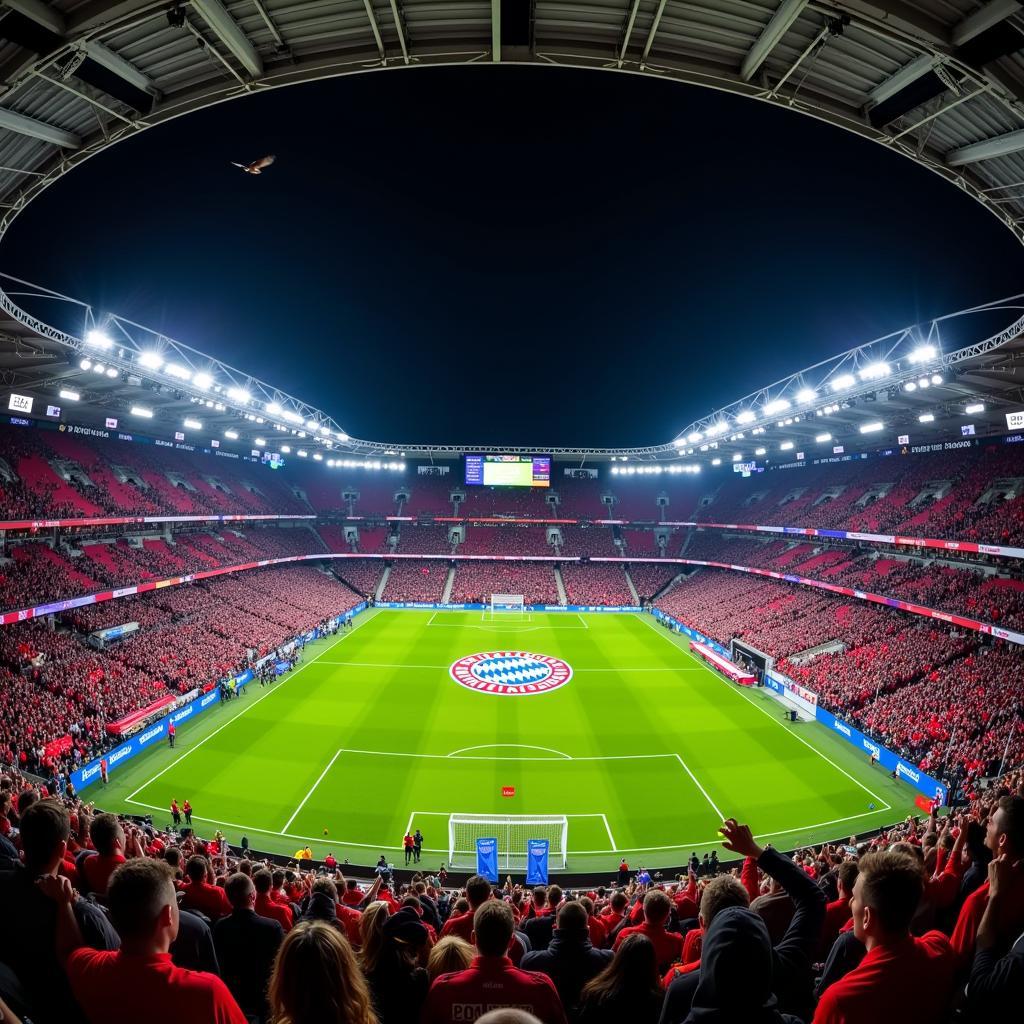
[(739, 692), (248, 707), (598, 814)]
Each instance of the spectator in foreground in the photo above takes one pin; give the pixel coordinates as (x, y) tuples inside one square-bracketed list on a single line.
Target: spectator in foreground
[(398, 984), (29, 949), (627, 989), (901, 976), (667, 945), (492, 980), (450, 954), (570, 959), (478, 891), (246, 947), (317, 980), (112, 986)]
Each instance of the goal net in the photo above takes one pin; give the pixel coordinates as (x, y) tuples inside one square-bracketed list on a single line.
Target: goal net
[(506, 606), (512, 832)]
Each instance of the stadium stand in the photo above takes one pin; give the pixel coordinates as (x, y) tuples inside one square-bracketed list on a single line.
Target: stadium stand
[(596, 584), (476, 581), (416, 581)]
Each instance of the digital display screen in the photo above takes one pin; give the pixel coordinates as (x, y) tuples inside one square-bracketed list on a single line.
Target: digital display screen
[(508, 470)]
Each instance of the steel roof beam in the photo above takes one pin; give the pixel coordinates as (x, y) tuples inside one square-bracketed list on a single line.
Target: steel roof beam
[(496, 31), (40, 13), (116, 64), (651, 33), (226, 29), (401, 31), (983, 19), (988, 149), (629, 32), (34, 129), (907, 75), (781, 22), (376, 31)]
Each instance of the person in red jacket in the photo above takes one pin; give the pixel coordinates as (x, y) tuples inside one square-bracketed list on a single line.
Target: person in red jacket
[(901, 976), (478, 892), (198, 894), (667, 945), (266, 906), (838, 912), (112, 986), (491, 981)]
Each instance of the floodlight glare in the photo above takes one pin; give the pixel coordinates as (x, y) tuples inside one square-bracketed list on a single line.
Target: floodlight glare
[(926, 417), (231, 435), (111, 372), (260, 442), (716, 462), (872, 428), (239, 395), (341, 435), (99, 368), (737, 457), (806, 395), (936, 378), (717, 428), (760, 451), (317, 457), (822, 438), (70, 396), (923, 353), (98, 339), (923, 383), (679, 442), (747, 416), (138, 410), (180, 372), (86, 364), (311, 424), (201, 380), (694, 437), (151, 360), (193, 424), (873, 371), (843, 381), (779, 405), (786, 446), (285, 449), (910, 386), (273, 409), (975, 407), (291, 417)]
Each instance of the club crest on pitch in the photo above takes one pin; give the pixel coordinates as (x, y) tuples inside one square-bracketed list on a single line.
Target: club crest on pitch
[(511, 673)]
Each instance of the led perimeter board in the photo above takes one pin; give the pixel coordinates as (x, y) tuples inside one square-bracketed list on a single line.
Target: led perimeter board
[(508, 470)]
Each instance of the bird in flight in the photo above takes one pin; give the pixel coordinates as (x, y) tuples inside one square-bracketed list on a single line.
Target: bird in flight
[(256, 167)]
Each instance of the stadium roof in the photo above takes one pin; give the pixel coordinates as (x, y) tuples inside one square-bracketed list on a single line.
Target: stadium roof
[(959, 370), (939, 81)]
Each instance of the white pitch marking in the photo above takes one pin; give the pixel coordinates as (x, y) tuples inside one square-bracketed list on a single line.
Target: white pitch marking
[(249, 707), (714, 806), (385, 664), (607, 828), (789, 732), (310, 793), (473, 757), (519, 746)]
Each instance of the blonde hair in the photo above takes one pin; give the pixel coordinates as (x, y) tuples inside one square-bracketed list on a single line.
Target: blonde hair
[(316, 979), (371, 929), (450, 954)]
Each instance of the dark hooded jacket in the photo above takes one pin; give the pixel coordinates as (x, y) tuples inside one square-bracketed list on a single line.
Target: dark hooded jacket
[(570, 961), (735, 984)]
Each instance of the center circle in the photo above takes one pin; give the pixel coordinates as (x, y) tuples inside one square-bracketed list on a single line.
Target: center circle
[(511, 673)]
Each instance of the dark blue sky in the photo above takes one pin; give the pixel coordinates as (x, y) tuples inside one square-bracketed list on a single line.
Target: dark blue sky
[(512, 255)]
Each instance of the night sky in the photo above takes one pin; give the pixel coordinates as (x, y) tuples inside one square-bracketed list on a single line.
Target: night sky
[(530, 256)]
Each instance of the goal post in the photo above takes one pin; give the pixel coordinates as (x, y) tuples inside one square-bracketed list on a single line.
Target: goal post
[(506, 606), (512, 832)]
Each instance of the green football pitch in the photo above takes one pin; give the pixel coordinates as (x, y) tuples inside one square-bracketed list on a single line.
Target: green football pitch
[(643, 749)]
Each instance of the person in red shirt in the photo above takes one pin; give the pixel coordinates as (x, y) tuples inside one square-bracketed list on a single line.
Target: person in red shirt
[(491, 981), (478, 892), (667, 945), (615, 911), (111, 987), (901, 976), (838, 912), (407, 845), (595, 926), (108, 840), (1004, 837), (267, 906), (186, 809), (198, 894), (330, 862)]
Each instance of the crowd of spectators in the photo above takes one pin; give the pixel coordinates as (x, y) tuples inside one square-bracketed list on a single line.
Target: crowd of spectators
[(415, 580), (505, 540), (596, 583), (476, 581), (108, 915)]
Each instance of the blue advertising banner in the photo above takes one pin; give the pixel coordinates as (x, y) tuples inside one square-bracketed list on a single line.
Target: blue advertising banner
[(537, 861), (487, 859), (240, 681), (90, 773)]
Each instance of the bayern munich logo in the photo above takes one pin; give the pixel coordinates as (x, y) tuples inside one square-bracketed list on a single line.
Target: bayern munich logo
[(511, 673)]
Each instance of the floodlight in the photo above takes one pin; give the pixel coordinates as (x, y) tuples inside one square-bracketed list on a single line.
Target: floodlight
[(239, 395), (151, 360), (873, 427), (779, 405), (737, 457), (806, 395), (695, 469), (291, 417), (923, 383), (910, 386), (341, 435), (786, 446), (922, 354), (302, 454), (975, 407), (760, 451), (694, 437), (193, 424), (273, 409), (111, 372), (285, 449), (936, 378), (843, 381), (98, 339), (138, 410), (401, 466), (717, 428), (822, 438), (99, 368), (231, 435), (318, 457), (716, 462), (873, 371), (679, 442), (86, 364), (311, 425), (926, 417), (70, 396), (747, 416), (201, 380), (615, 470), (260, 442)]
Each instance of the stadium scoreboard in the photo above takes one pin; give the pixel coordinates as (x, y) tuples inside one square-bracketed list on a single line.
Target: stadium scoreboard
[(508, 470)]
